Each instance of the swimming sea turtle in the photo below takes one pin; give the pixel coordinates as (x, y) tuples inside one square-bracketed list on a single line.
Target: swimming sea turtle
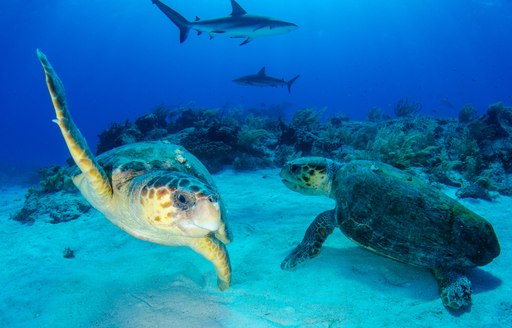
[(393, 214), (154, 191)]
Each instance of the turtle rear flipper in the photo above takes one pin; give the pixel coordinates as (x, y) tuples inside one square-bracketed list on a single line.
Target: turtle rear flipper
[(94, 175), (454, 288), (315, 236)]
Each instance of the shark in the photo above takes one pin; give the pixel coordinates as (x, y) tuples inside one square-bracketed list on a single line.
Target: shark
[(238, 24), (261, 79)]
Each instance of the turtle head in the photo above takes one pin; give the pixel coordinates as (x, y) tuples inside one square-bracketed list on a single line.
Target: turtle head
[(309, 175), (178, 203)]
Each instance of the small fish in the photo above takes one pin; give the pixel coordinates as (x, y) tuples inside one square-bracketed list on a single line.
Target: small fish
[(263, 80), (237, 25)]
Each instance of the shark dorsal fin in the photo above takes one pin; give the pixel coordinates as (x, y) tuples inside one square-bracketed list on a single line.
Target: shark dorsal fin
[(197, 18), (236, 9), (261, 72)]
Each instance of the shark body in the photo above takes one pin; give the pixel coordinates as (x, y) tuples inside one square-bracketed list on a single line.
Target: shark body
[(261, 79), (237, 25)]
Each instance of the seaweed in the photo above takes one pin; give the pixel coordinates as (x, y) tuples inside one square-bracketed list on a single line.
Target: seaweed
[(57, 207), (55, 178), (306, 119), (404, 108), (474, 190), (248, 138), (402, 148), (467, 114), (68, 253), (375, 115), (451, 151), (117, 135)]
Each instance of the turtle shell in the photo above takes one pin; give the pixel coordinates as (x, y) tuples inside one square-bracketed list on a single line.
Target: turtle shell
[(144, 157), (397, 215)]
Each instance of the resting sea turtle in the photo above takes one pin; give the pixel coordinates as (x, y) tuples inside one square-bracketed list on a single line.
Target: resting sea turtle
[(394, 214), (154, 191)]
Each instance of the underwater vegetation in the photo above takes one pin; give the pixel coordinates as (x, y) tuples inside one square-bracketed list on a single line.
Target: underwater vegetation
[(404, 108), (470, 153), (55, 199)]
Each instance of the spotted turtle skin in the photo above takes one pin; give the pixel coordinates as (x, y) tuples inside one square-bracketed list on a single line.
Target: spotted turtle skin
[(155, 191), (394, 214)]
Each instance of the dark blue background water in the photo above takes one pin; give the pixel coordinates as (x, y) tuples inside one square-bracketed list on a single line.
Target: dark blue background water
[(120, 58)]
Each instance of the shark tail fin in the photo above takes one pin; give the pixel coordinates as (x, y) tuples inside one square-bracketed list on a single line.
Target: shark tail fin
[(289, 83), (176, 18)]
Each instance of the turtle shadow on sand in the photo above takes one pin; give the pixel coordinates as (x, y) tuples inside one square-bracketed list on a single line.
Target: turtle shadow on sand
[(483, 281), (396, 215), (377, 272), (386, 275)]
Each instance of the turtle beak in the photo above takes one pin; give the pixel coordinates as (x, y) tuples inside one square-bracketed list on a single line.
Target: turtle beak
[(206, 215), (289, 179), (290, 185)]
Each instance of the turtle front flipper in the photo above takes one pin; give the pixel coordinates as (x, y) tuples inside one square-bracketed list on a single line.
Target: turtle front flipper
[(95, 176), (214, 251), (454, 287), (315, 236)]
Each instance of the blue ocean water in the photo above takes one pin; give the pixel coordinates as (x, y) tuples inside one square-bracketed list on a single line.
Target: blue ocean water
[(119, 59)]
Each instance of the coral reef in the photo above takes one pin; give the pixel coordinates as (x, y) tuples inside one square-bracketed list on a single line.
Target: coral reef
[(492, 133), (68, 253), (404, 108), (56, 199), (467, 114), (375, 115), (457, 152), (54, 207), (54, 178), (474, 190), (471, 153)]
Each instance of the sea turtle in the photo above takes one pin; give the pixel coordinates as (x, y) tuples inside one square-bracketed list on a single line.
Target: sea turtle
[(154, 191), (394, 214)]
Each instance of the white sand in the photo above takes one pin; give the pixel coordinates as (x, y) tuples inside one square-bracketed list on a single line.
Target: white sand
[(118, 281)]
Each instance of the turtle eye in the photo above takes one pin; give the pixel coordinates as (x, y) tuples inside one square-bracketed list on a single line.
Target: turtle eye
[(184, 200), (295, 168), (213, 198)]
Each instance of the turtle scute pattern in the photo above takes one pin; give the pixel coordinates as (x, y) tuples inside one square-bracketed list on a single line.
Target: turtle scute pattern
[(155, 191), (396, 215)]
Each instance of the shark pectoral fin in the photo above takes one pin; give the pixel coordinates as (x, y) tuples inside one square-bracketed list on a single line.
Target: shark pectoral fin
[(259, 28), (249, 39), (236, 9), (213, 33)]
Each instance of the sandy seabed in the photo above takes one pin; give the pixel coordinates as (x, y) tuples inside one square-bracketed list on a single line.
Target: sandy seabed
[(116, 280)]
